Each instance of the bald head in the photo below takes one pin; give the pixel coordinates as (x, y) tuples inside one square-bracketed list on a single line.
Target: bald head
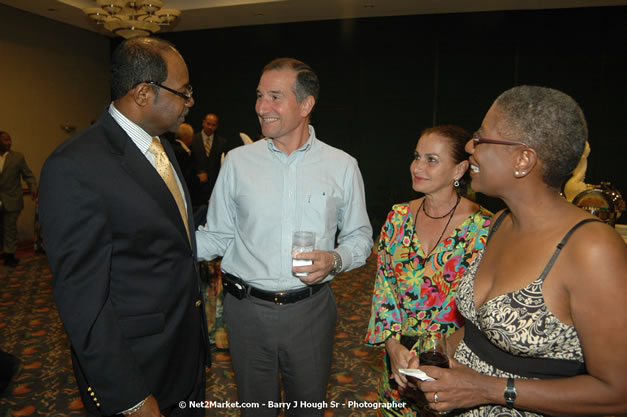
[(138, 60), (185, 133)]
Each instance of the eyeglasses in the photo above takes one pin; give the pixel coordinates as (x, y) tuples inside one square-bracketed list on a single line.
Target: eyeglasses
[(477, 139), (187, 95)]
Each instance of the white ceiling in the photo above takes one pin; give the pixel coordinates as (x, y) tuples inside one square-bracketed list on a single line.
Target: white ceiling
[(206, 14)]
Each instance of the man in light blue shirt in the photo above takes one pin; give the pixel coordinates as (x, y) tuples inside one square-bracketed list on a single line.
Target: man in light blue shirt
[(280, 324)]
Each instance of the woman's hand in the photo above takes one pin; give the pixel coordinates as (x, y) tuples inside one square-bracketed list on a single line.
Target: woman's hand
[(399, 359), (457, 387)]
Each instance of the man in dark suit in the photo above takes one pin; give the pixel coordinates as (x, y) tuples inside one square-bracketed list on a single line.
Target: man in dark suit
[(207, 150), (13, 169), (117, 220)]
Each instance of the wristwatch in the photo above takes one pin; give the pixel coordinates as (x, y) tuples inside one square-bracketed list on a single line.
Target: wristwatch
[(510, 392), (337, 263)]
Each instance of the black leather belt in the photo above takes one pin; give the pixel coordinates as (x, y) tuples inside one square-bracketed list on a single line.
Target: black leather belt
[(239, 289)]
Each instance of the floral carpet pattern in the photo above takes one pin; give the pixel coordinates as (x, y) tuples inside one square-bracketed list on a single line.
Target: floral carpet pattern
[(30, 329)]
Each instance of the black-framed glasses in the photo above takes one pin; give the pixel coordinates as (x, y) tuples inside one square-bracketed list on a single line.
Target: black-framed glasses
[(187, 95), (477, 139)]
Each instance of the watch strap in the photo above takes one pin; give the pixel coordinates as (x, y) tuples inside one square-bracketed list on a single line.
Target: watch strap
[(510, 392)]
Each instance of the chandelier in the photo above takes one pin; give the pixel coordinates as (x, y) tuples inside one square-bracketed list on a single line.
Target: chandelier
[(129, 19)]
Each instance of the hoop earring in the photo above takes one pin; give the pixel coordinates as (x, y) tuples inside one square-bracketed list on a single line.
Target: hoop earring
[(456, 183)]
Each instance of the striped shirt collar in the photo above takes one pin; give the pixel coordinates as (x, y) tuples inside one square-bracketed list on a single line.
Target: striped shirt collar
[(138, 135)]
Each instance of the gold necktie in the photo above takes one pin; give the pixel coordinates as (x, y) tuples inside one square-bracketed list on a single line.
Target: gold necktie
[(208, 145), (162, 163)]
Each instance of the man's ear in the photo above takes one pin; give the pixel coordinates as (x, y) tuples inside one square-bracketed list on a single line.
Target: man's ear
[(142, 94), (307, 105)]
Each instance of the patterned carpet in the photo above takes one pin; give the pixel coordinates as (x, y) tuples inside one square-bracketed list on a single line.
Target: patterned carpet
[(30, 329)]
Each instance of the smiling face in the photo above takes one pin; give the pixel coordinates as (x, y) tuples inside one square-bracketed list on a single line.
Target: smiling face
[(490, 162), (281, 116), (433, 168)]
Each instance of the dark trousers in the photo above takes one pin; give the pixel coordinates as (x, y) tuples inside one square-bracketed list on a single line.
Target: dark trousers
[(8, 230), (291, 342)]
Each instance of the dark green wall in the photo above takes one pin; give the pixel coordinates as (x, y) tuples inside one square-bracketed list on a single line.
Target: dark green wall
[(383, 80)]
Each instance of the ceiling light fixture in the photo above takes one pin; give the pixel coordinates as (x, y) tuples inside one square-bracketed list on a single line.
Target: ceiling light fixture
[(129, 19)]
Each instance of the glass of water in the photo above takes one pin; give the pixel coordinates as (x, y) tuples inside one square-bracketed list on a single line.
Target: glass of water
[(302, 242)]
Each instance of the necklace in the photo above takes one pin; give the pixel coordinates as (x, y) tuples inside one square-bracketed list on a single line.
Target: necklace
[(424, 209), (450, 214)]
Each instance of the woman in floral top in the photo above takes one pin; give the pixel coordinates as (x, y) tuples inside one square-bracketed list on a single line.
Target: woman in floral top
[(425, 246)]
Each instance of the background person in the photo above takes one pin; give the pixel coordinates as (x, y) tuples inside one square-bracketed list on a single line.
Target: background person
[(280, 327), (544, 304), (424, 248), (182, 150), (207, 149), (13, 170), (117, 222)]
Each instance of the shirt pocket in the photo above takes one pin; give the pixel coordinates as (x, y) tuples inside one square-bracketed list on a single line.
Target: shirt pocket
[(321, 204)]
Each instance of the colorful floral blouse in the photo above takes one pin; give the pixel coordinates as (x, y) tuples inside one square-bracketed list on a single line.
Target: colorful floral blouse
[(414, 295)]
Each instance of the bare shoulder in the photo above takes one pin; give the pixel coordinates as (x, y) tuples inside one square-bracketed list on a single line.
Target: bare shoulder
[(596, 250), (413, 205), (596, 238)]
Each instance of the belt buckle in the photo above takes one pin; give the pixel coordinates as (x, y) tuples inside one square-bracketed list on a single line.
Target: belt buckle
[(276, 297)]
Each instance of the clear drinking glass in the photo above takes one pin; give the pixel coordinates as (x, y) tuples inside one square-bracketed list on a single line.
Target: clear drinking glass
[(302, 242), (433, 352)]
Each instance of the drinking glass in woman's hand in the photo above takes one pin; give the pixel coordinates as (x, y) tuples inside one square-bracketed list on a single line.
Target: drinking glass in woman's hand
[(432, 352)]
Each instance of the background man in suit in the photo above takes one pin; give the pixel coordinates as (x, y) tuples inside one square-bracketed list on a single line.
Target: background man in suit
[(207, 149), (117, 220), (13, 169), (280, 324)]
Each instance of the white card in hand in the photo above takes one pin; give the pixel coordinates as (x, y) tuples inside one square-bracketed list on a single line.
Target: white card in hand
[(416, 373)]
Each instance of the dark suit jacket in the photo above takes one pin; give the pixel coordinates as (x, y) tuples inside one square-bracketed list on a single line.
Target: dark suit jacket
[(210, 164), (124, 271), (15, 169)]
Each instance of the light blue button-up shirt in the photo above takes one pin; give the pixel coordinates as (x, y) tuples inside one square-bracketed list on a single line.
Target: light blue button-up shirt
[(263, 195)]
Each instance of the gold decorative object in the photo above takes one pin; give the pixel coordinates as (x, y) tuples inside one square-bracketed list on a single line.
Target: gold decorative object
[(132, 18), (603, 201)]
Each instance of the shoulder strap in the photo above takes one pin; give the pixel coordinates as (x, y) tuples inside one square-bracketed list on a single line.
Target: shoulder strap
[(560, 245), (496, 224)]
